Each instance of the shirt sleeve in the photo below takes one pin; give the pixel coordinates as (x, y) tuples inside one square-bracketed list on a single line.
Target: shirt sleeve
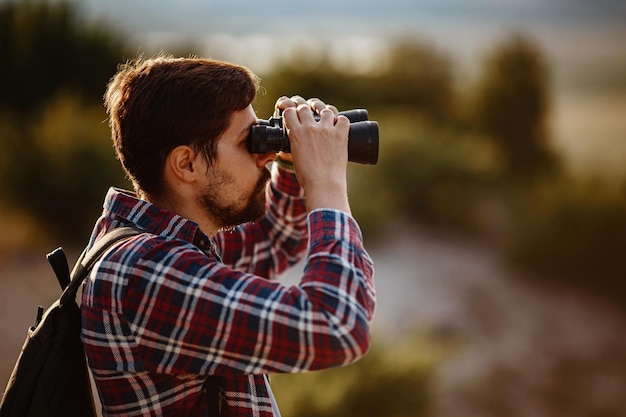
[(190, 315), (269, 246)]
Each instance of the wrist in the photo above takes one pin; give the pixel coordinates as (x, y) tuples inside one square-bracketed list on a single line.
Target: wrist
[(330, 196)]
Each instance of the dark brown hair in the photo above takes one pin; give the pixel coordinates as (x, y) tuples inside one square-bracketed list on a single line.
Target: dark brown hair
[(157, 104)]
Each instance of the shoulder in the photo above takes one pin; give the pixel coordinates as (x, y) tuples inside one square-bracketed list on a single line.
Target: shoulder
[(148, 247), (148, 255)]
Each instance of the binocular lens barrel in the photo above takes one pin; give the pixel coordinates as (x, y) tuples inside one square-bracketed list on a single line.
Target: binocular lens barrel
[(363, 142), (356, 115), (270, 136)]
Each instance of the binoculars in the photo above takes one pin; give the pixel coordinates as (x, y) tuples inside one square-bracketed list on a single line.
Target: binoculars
[(270, 136)]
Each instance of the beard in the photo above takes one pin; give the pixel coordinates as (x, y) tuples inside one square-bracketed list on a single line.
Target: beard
[(245, 209)]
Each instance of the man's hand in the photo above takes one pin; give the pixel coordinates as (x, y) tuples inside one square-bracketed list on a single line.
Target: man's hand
[(285, 102), (319, 150)]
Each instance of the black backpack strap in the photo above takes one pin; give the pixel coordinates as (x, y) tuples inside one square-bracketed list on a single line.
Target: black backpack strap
[(59, 264), (89, 258)]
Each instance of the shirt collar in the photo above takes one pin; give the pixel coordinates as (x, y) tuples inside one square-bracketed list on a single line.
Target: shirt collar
[(126, 207)]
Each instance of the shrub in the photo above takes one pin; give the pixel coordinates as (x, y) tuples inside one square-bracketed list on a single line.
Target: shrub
[(574, 233), (60, 167), (391, 381)]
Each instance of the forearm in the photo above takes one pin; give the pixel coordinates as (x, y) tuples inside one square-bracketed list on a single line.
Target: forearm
[(242, 324), (337, 254), (324, 321)]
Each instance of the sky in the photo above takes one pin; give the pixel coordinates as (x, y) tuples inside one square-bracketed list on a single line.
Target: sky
[(242, 16), (571, 31)]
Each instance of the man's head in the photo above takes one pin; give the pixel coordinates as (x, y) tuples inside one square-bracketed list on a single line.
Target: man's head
[(155, 105)]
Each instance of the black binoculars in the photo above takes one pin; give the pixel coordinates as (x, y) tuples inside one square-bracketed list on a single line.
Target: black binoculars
[(270, 135)]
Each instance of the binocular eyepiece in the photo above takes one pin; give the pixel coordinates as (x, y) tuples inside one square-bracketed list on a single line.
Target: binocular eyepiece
[(268, 136)]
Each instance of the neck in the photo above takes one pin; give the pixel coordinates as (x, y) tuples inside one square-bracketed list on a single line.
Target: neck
[(187, 208)]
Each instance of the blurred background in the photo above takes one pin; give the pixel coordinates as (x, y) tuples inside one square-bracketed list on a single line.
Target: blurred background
[(495, 216)]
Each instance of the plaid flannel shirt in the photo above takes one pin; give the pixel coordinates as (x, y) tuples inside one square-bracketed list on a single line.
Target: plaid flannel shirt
[(163, 310)]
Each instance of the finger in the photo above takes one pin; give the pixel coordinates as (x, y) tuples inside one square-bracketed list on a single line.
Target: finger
[(327, 115), (333, 109), (290, 117), (305, 114), (298, 100), (318, 105), (282, 103), (342, 121)]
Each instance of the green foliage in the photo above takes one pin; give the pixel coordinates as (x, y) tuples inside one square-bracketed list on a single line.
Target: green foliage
[(418, 77), (46, 47), (438, 165), (394, 382), (573, 232), (57, 157), (512, 105), (426, 174), (60, 167)]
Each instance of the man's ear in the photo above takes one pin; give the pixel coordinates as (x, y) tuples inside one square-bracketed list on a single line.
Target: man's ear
[(182, 163)]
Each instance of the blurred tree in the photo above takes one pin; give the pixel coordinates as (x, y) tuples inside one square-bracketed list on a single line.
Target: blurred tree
[(511, 107), (58, 158), (418, 77), (575, 232), (47, 47), (392, 380), (62, 166), (426, 174)]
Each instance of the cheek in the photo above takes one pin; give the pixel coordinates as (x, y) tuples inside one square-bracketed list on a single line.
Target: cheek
[(246, 167), (240, 165)]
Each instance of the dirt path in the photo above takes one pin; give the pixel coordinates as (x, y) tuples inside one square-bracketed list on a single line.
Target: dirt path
[(527, 351), (26, 281)]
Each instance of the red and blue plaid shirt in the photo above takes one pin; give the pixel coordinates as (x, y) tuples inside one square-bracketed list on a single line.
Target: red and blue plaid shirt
[(167, 308)]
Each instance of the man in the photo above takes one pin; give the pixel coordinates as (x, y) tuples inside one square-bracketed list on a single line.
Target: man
[(193, 299)]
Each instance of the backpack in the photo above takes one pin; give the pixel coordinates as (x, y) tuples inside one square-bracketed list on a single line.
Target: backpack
[(50, 377)]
